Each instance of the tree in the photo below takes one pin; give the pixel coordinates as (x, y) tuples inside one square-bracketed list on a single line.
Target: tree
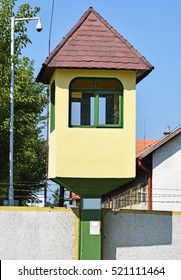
[(56, 198), (30, 101)]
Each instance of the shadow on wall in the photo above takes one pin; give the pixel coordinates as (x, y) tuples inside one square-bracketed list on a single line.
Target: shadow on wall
[(168, 150), (123, 229)]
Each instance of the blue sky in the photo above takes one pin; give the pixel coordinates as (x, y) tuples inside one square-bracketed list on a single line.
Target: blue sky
[(152, 27)]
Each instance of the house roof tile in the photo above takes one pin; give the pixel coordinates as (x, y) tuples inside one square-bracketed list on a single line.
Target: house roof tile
[(93, 44), (160, 142), (143, 144)]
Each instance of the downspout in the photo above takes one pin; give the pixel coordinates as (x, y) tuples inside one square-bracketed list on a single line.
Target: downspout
[(149, 178)]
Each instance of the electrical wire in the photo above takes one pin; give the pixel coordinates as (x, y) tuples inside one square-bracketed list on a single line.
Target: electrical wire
[(51, 23), (27, 184)]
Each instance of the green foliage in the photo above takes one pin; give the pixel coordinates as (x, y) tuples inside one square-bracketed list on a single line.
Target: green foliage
[(30, 101), (55, 198)]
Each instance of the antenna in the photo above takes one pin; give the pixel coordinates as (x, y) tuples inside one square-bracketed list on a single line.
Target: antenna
[(144, 129)]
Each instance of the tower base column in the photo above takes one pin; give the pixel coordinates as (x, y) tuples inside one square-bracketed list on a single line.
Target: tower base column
[(90, 229)]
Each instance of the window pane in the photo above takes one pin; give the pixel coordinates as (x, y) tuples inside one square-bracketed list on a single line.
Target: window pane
[(75, 113), (102, 110), (108, 109), (92, 111), (82, 108), (87, 109), (52, 107)]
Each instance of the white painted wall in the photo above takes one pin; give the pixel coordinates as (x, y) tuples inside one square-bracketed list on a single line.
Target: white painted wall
[(167, 176), (37, 235), (53, 235), (141, 235)]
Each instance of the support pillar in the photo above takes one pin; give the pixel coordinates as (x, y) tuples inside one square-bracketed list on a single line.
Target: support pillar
[(90, 229)]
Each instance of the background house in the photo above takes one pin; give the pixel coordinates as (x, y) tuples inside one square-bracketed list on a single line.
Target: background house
[(157, 185)]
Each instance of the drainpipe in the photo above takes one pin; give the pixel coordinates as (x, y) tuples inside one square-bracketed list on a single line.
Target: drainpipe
[(149, 178)]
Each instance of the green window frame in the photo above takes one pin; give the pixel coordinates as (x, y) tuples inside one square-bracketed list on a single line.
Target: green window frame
[(52, 107), (96, 102)]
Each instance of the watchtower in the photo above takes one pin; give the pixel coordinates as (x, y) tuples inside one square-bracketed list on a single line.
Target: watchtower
[(93, 74)]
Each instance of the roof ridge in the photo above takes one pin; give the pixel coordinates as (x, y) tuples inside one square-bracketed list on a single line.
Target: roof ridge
[(161, 141), (68, 35), (121, 37)]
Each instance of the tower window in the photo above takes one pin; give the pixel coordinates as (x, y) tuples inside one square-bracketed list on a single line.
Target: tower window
[(52, 106), (96, 103)]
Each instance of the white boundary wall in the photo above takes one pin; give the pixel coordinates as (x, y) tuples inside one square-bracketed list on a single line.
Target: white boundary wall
[(37, 234), (141, 235), (52, 234)]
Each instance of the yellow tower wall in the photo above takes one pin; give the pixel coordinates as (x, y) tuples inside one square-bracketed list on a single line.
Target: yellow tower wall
[(92, 152)]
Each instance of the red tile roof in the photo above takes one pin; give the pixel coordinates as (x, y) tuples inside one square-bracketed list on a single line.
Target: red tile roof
[(143, 145), (94, 44), (161, 142)]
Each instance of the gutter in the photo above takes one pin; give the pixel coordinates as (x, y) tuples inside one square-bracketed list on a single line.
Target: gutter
[(149, 178)]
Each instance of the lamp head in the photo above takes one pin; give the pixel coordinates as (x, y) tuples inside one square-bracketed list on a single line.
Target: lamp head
[(39, 26)]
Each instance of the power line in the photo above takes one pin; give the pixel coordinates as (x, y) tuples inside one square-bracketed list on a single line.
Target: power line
[(27, 183), (51, 23)]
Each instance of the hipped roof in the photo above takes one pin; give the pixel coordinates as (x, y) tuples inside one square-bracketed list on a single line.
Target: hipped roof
[(94, 44)]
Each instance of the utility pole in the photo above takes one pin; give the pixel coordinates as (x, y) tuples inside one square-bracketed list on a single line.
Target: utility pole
[(11, 141)]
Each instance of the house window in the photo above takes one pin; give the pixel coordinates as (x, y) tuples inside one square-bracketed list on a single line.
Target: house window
[(96, 102), (52, 106)]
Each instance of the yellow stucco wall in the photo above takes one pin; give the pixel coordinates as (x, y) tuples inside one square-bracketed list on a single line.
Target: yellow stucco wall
[(92, 152)]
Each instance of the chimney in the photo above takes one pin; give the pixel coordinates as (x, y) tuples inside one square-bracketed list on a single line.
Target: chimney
[(166, 133)]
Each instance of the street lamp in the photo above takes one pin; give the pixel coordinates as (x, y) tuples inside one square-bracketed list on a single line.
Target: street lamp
[(11, 143)]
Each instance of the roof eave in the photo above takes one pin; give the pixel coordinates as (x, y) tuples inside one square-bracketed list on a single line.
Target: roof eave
[(46, 72), (144, 74)]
